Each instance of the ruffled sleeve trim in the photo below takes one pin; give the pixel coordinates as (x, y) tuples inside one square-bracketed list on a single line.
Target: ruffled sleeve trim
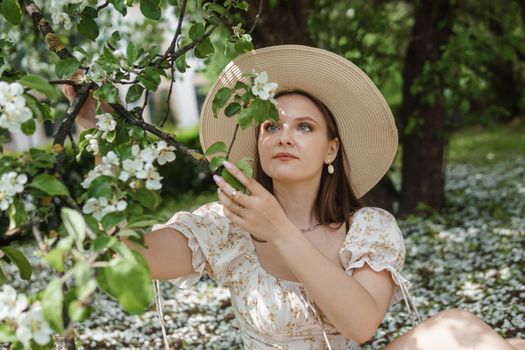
[(374, 238), (401, 285)]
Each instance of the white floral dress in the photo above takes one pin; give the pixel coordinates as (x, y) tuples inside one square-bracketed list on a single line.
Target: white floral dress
[(272, 313)]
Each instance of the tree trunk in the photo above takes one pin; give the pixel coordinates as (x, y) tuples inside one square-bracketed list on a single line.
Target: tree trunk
[(423, 148), (284, 23)]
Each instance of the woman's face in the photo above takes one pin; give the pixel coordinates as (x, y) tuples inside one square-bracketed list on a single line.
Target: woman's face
[(302, 132)]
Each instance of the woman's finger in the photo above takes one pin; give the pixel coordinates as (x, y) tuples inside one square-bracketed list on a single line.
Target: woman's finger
[(231, 192), (252, 185), (230, 204)]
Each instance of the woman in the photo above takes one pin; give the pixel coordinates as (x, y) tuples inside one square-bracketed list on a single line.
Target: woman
[(307, 266)]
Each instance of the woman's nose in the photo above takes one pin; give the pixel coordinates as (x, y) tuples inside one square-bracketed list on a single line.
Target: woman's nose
[(285, 137)]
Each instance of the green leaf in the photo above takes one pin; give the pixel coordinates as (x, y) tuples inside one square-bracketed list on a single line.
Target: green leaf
[(150, 9), (148, 198), (216, 162), (74, 223), (132, 53), (11, 11), (100, 187), (196, 31), (262, 110), (209, 7), (108, 92), (49, 185), (7, 334), (204, 48), (39, 84), (20, 215), (150, 78), (134, 93), (89, 28), (217, 147), (3, 279), (52, 304), (128, 280), (244, 44), (232, 180), (112, 219), (120, 6), (28, 127), (67, 67), (180, 64), (240, 85), (245, 167), (245, 118), (102, 242), (232, 109), (220, 99), (55, 258), (24, 267)]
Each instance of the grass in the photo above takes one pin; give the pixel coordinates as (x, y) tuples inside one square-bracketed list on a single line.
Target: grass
[(479, 146)]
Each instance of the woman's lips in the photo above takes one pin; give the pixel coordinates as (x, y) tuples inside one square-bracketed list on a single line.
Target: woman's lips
[(285, 158)]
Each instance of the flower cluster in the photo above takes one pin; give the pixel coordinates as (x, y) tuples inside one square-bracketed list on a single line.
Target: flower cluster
[(109, 167), (106, 124), (58, 14), (262, 88), (13, 110), (101, 206), (11, 183), (138, 168), (30, 324)]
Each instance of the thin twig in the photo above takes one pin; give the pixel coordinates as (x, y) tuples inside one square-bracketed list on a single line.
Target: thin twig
[(102, 6), (62, 82), (169, 97), (233, 141), (259, 11), (173, 43)]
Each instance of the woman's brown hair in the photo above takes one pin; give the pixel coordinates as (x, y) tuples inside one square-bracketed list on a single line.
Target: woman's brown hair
[(336, 201)]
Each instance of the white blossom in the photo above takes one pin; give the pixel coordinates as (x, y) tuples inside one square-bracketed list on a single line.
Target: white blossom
[(93, 144), (29, 203), (164, 153), (11, 303), (32, 325), (262, 88), (106, 122), (101, 206), (11, 183), (13, 110)]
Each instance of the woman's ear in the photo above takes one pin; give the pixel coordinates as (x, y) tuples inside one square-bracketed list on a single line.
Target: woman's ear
[(333, 147)]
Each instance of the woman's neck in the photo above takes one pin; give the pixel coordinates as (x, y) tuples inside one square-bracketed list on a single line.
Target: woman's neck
[(297, 201)]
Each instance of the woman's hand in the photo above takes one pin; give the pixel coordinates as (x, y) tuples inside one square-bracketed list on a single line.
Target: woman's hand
[(259, 213), (86, 116)]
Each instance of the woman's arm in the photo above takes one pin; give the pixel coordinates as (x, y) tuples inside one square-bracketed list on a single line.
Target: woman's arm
[(354, 305), (166, 252)]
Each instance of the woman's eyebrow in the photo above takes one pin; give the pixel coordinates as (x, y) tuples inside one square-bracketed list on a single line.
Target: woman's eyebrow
[(306, 118)]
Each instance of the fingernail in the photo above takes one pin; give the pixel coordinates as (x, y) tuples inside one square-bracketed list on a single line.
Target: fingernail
[(216, 178), (227, 164)]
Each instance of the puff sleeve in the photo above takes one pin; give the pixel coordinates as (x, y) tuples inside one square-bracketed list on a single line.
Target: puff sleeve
[(374, 238), (212, 242)]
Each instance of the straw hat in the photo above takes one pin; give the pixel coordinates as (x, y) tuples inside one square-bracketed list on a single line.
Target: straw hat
[(365, 122)]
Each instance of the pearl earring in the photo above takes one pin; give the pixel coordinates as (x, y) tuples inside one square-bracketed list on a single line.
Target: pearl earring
[(330, 168)]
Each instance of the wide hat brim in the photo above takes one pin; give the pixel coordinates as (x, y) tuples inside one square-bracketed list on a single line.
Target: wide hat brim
[(364, 119)]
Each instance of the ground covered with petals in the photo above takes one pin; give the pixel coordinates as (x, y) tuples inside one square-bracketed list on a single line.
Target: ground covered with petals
[(470, 256)]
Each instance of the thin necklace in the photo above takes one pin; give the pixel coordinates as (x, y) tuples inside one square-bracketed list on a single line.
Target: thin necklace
[(309, 228)]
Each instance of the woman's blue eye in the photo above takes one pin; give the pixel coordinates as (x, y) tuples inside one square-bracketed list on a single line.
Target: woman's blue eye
[(301, 126), (306, 125), (268, 126)]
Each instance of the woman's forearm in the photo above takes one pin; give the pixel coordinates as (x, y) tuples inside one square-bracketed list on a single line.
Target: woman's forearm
[(345, 302)]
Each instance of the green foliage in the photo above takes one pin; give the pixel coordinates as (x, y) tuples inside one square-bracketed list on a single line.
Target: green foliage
[(11, 10), (15, 256)]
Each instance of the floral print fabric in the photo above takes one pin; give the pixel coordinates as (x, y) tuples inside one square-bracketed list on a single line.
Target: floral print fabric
[(272, 313)]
